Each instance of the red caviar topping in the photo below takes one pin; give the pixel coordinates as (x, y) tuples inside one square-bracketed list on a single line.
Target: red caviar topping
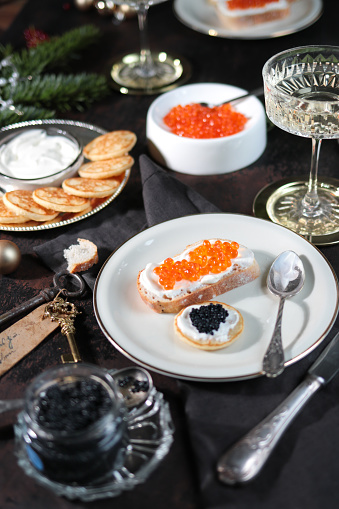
[(197, 121), (207, 258), (248, 4)]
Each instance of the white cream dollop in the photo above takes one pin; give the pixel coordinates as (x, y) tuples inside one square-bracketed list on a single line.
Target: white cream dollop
[(35, 154), (284, 270), (221, 335), (150, 281)]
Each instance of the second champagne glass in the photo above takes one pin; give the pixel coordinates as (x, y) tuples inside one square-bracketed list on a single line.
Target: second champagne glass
[(146, 72), (302, 98)]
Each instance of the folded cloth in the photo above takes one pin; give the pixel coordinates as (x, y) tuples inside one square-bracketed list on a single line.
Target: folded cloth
[(303, 468), (164, 197), (218, 414), (107, 229)]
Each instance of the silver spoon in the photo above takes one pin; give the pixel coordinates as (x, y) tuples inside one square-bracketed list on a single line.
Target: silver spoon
[(285, 279), (135, 384), (256, 92)]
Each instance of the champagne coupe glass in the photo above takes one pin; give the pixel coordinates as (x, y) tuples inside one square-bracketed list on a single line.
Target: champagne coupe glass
[(147, 72), (302, 97)]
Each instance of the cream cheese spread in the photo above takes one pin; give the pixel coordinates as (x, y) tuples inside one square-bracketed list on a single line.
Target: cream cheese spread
[(150, 281), (284, 271), (36, 154), (235, 13), (221, 335)]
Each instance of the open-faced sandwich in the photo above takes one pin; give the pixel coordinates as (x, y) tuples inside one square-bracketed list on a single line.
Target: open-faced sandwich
[(201, 272)]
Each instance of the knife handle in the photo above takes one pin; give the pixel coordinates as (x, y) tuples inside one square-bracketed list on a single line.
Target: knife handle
[(246, 458)]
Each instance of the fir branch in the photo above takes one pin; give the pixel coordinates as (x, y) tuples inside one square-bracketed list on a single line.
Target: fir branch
[(54, 52), (8, 116), (38, 95), (61, 92), (5, 51)]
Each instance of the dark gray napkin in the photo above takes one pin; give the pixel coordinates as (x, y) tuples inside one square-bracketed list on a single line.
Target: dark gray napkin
[(218, 414), (107, 229), (164, 197), (304, 467)]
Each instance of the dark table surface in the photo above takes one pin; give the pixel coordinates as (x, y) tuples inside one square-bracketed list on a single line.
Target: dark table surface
[(232, 61)]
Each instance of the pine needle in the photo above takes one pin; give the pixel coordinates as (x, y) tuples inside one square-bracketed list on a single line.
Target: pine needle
[(8, 117), (39, 94), (54, 52), (67, 91)]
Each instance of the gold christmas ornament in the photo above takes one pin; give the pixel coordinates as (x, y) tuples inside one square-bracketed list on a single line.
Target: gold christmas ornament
[(126, 10), (10, 256), (108, 7), (105, 7), (83, 5)]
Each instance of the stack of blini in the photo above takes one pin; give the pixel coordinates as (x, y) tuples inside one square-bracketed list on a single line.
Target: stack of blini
[(108, 157)]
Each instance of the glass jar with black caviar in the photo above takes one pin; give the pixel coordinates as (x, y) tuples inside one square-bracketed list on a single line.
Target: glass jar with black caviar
[(73, 427)]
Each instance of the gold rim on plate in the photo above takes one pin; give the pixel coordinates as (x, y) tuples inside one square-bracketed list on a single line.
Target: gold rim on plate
[(148, 338)]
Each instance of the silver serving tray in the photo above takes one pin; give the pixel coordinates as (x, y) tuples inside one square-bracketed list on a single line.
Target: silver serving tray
[(84, 133)]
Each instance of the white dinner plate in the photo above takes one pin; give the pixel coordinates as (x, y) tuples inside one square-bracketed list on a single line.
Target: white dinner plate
[(149, 339), (202, 16)]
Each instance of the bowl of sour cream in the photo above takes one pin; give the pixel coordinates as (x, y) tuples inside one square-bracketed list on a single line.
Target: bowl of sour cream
[(39, 156)]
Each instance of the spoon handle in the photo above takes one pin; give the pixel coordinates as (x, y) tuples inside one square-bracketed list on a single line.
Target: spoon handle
[(274, 359), (256, 93), (10, 404)]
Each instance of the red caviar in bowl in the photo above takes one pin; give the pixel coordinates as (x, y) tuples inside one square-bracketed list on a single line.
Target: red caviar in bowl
[(198, 121), (207, 258)]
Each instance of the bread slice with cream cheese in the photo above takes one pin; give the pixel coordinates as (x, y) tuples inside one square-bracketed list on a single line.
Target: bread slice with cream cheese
[(244, 269)]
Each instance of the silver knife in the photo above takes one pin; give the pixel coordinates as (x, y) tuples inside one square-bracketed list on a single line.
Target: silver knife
[(246, 458)]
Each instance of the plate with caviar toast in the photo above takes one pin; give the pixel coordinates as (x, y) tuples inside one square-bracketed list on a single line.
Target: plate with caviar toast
[(248, 19), (188, 297), (103, 174)]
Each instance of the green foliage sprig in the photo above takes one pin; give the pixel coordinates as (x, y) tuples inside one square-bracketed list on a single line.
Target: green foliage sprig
[(56, 51), (40, 94), (8, 116), (67, 91)]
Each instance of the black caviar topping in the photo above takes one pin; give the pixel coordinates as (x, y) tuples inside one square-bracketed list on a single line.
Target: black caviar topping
[(207, 319), (73, 407), (133, 384)]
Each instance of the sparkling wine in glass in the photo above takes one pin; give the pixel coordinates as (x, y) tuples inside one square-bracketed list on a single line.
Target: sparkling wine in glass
[(302, 97), (147, 72)]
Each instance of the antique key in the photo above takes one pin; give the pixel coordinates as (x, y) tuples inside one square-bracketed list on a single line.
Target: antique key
[(46, 295), (64, 313)]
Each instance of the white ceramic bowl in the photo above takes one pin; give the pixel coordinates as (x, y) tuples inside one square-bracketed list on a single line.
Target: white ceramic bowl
[(206, 156), (30, 178)]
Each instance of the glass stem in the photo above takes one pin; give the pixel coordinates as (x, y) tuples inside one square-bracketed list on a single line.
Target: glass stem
[(147, 68), (311, 199)]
